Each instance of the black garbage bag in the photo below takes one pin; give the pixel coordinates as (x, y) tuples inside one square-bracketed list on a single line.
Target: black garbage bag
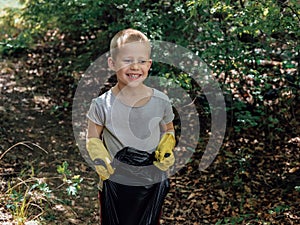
[(134, 194)]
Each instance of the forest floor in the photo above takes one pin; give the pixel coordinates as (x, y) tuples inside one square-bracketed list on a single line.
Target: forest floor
[(253, 180)]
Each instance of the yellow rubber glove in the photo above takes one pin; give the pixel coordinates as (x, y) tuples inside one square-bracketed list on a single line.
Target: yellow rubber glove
[(164, 151), (99, 154), (166, 163)]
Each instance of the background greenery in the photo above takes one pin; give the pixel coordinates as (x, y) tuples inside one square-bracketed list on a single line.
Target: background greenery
[(251, 46), (255, 43)]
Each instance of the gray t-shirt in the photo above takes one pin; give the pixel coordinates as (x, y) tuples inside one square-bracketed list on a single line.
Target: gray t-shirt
[(137, 127)]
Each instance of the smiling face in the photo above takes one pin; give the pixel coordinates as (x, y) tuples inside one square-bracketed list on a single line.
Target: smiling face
[(131, 64)]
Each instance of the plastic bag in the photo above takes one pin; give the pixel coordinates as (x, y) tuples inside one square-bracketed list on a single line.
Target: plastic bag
[(132, 195)]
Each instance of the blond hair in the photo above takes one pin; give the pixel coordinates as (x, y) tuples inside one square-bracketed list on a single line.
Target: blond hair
[(127, 36)]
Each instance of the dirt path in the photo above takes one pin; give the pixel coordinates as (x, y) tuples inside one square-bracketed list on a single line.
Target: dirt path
[(30, 117)]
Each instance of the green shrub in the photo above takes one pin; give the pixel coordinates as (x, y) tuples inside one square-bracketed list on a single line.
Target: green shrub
[(252, 47)]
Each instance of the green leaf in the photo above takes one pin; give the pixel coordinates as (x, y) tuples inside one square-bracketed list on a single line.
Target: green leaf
[(72, 190)]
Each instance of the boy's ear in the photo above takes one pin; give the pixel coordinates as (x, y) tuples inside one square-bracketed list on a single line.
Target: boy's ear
[(150, 63), (111, 63)]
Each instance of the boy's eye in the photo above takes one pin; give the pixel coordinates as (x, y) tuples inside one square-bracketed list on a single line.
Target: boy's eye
[(127, 61), (142, 62), (131, 61)]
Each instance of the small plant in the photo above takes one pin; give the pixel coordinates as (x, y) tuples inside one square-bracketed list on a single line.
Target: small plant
[(26, 198), (58, 110), (72, 182), (279, 209), (234, 219)]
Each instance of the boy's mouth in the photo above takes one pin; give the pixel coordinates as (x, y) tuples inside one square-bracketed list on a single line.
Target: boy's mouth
[(133, 76)]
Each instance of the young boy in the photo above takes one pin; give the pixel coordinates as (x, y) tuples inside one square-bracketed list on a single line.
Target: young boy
[(130, 129)]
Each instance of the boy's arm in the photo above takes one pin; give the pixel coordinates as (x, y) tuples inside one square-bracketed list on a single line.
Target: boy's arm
[(97, 151), (94, 130), (169, 127)]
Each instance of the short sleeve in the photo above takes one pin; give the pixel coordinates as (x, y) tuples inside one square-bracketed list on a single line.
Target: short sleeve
[(96, 112)]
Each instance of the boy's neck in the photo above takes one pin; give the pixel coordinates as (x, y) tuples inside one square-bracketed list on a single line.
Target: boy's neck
[(133, 96), (128, 91)]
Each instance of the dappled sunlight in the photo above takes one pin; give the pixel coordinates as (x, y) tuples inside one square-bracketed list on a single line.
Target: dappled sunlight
[(252, 48)]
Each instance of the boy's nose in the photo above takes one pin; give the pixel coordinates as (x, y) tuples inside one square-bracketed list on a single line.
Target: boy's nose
[(134, 65)]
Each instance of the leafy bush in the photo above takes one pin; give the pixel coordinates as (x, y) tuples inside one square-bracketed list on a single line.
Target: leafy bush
[(252, 47), (246, 45)]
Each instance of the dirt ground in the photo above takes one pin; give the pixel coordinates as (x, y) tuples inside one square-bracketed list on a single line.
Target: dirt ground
[(35, 118)]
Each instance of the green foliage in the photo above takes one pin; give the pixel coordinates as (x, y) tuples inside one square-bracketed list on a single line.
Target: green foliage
[(58, 110), (241, 41), (279, 209), (13, 38), (28, 198), (252, 47), (183, 80), (234, 220), (73, 17), (249, 45), (72, 182), (63, 169)]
